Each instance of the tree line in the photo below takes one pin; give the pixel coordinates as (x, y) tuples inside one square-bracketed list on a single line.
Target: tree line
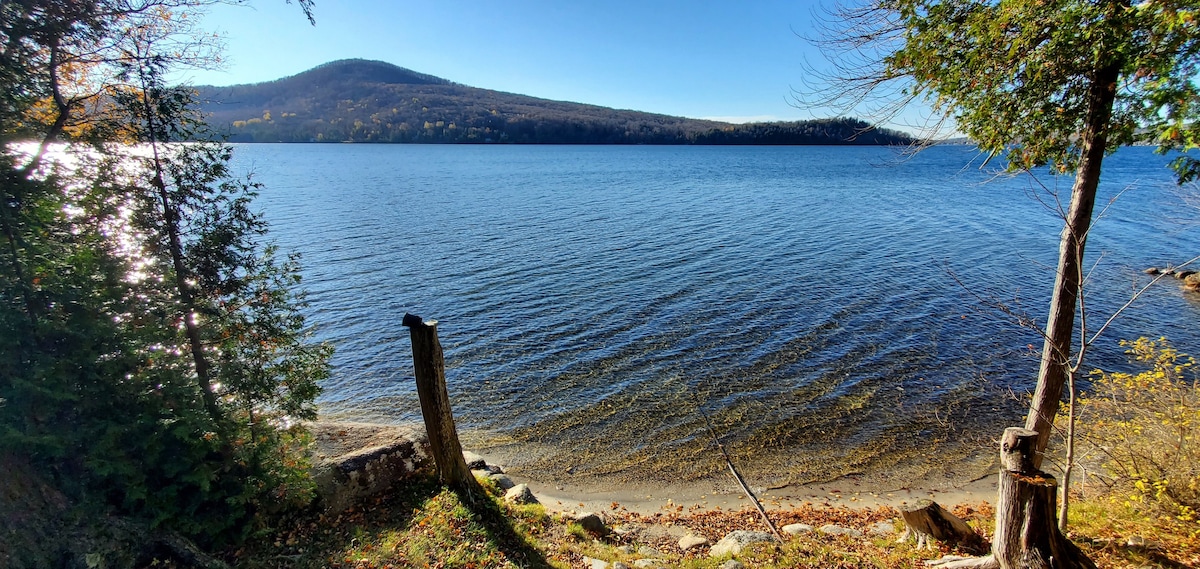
[(371, 101)]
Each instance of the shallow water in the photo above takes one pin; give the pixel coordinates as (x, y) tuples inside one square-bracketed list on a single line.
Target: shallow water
[(596, 304)]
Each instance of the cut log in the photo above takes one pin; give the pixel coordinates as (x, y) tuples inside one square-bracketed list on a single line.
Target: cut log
[(1027, 535), (928, 520)]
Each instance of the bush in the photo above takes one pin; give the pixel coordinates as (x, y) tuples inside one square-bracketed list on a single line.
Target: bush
[(1140, 429)]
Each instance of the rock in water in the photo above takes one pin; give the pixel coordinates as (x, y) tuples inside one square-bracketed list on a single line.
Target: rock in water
[(1192, 282)]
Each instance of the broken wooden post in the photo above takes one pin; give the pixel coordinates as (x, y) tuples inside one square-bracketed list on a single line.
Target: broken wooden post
[(1026, 514), (1027, 535), (430, 371)]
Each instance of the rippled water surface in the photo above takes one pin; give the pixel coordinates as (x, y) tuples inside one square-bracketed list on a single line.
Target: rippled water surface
[(596, 303)]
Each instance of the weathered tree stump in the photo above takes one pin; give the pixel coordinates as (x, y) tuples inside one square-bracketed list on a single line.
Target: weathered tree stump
[(927, 521), (430, 371), (1027, 535)]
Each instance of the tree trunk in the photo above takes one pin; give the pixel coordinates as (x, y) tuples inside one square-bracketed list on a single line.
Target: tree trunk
[(929, 521), (430, 371), (1056, 350), (175, 245), (1027, 536)]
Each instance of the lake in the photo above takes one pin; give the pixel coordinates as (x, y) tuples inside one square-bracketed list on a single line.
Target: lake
[(828, 310)]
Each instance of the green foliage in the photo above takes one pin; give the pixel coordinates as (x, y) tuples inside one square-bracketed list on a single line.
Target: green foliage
[(1143, 431), (1015, 75), (152, 351), (372, 101)]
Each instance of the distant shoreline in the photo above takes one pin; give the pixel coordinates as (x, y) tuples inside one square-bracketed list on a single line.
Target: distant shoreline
[(624, 144)]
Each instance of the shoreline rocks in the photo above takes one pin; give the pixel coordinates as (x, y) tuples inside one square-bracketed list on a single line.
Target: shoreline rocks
[(1188, 277), (359, 460), (736, 541)]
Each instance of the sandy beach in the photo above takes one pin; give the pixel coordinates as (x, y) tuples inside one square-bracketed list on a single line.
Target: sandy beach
[(723, 492)]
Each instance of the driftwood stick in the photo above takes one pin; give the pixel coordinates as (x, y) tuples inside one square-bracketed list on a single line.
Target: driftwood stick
[(929, 521), (738, 476)]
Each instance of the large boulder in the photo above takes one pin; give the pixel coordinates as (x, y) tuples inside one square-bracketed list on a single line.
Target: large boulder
[(358, 460)]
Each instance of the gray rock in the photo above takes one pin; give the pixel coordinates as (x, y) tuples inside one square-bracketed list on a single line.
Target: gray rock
[(595, 563), (474, 461), (591, 523), (830, 529), (627, 549), (692, 540), (619, 565), (733, 564), (646, 551), (882, 529), (797, 529), (736, 541), (520, 494), (503, 481), (650, 564), (1139, 542)]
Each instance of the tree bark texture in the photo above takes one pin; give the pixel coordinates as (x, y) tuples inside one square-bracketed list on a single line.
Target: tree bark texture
[(430, 371), (1060, 323), (170, 212), (1027, 535)]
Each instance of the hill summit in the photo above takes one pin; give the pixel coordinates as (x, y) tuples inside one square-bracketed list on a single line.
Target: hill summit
[(357, 100)]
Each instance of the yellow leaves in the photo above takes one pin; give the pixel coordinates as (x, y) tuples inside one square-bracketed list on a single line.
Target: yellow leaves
[(1141, 425)]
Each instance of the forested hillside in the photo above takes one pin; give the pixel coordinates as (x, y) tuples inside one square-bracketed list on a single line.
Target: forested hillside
[(373, 101)]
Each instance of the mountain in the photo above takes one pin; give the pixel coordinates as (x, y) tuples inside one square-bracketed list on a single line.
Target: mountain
[(357, 100)]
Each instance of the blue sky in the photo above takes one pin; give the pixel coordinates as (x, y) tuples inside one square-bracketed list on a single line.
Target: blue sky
[(730, 60)]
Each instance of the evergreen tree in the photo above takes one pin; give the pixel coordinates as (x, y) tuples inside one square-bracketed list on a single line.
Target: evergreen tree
[(152, 350)]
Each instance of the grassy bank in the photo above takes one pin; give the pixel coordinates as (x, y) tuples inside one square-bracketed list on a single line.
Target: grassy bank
[(426, 525)]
